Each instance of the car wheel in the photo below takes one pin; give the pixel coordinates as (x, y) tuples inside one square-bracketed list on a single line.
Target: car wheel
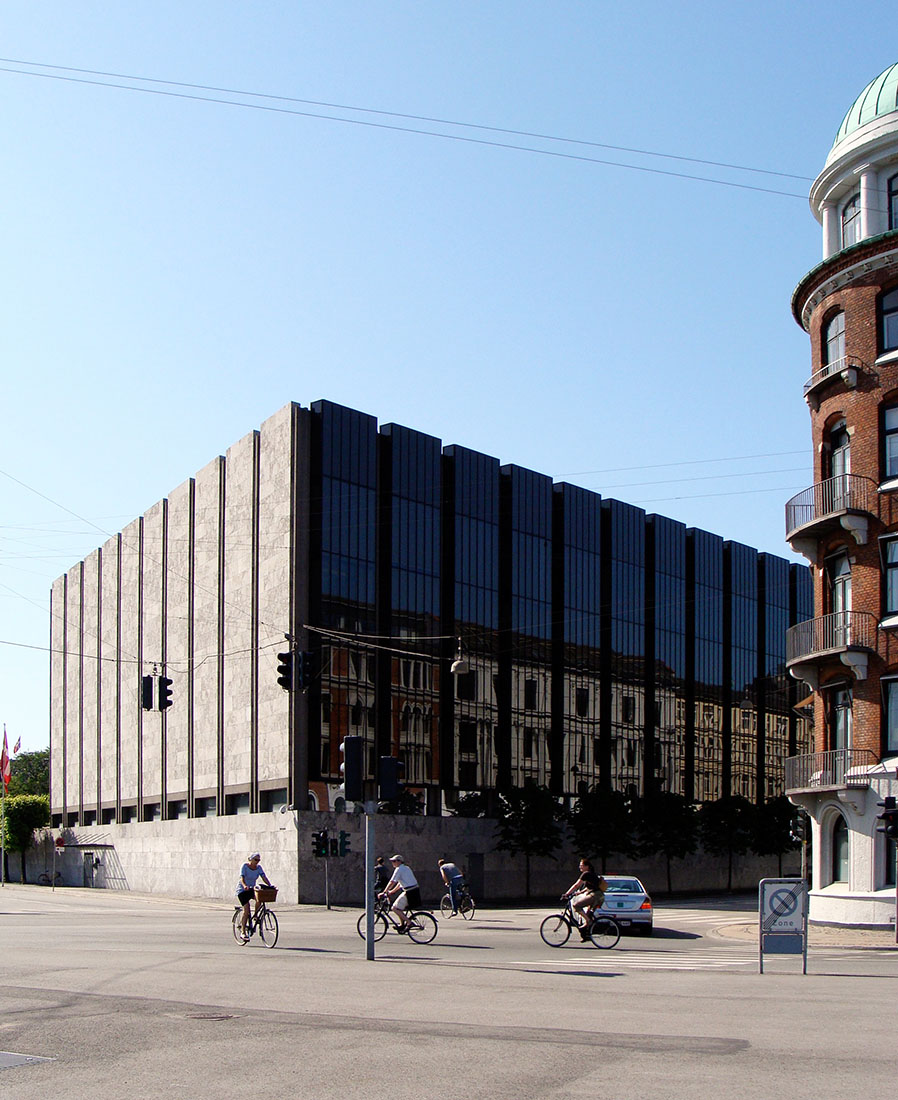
[(644, 929)]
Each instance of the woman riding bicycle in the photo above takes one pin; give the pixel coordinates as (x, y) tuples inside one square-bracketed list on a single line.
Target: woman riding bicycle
[(588, 892), (250, 873)]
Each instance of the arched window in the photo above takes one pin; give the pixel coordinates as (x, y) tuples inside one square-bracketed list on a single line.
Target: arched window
[(838, 717), (851, 220), (840, 850), (834, 339), (839, 449), (888, 320)]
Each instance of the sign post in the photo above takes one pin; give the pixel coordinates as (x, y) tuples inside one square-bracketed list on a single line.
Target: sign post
[(783, 919)]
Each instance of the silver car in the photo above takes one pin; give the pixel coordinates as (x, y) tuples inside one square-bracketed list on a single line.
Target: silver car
[(628, 902)]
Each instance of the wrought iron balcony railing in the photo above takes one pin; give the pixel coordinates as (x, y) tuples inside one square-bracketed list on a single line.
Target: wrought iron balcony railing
[(835, 768), (829, 499), (829, 634), (845, 368)]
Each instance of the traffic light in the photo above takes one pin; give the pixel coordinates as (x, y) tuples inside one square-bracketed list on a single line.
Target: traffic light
[(319, 844), (303, 670), (352, 769), (165, 699), (146, 692), (888, 817), (389, 778), (285, 670)]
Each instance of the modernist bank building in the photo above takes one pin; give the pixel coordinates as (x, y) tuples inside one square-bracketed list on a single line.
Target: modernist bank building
[(846, 523), (603, 646)]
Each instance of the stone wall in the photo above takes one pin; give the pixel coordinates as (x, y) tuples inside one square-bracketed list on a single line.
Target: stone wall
[(201, 857)]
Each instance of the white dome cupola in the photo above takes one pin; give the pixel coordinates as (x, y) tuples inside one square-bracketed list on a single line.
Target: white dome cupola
[(855, 197)]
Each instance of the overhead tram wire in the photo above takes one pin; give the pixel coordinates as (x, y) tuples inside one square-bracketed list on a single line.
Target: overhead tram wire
[(399, 114), (557, 154)]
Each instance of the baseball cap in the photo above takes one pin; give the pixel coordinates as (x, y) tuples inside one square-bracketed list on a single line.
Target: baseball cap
[(396, 859), (255, 855)]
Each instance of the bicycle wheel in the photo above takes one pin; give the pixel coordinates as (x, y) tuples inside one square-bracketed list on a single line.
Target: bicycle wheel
[(604, 932), (380, 926), (555, 930), (446, 906), (467, 908), (237, 927), (268, 928), (422, 927)]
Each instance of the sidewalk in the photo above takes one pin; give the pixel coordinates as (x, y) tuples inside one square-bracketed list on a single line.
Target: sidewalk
[(821, 935)]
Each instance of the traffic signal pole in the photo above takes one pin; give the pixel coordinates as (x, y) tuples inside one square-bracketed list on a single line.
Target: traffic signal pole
[(370, 812)]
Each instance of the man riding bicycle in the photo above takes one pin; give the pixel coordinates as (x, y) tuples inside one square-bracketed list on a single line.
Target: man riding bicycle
[(250, 873), (589, 893), (454, 881), (403, 887)]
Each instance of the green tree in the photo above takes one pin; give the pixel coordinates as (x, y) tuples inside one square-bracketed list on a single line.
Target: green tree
[(667, 826), (529, 822), (602, 824), (726, 828), (472, 804), (22, 814), (776, 828), (30, 773)]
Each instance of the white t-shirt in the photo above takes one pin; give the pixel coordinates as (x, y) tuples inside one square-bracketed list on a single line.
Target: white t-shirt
[(404, 876)]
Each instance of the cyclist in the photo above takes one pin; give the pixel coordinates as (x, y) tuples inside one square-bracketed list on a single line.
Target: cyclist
[(250, 873), (381, 875), (453, 879), (589, 892), (402, 890)]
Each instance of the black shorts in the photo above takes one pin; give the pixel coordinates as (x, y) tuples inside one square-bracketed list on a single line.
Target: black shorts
[(243, 896)]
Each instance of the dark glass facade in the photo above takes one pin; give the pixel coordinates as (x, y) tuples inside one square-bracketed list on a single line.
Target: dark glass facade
[(602, 646)]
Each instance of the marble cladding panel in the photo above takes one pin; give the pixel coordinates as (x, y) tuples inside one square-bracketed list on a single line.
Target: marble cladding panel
[(207, 644), (57, 693), (153, 556), (109, 672), (132, 670), (275, 523), (91, 665), (73, 688), (177, 629), (239, 636)]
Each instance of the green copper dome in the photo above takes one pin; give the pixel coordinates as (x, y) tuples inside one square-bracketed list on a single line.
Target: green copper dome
[(880, 97)]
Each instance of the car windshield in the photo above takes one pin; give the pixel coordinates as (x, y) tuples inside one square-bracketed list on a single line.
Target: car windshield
[(624, 886)]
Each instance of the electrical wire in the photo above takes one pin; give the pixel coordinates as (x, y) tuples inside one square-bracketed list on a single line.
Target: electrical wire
[(399, 114), (413, 130)]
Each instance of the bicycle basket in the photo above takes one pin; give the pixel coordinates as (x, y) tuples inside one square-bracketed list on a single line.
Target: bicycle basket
[(266, 893)]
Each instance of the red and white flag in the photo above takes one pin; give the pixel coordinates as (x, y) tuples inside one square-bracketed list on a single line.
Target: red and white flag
[(5, 769), (17, 746)]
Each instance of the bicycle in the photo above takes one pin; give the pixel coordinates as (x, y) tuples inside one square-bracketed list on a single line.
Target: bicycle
[(262, 921), (466, 905), (45, 879), (556, 930), (421, 927)]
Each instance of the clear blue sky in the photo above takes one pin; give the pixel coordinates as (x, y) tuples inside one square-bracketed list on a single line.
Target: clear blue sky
[(176, 270)]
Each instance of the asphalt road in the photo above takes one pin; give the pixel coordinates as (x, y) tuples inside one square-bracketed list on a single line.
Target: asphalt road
[(132, 996)]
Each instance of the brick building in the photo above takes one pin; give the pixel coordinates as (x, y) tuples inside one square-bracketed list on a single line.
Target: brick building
[(846, 523)]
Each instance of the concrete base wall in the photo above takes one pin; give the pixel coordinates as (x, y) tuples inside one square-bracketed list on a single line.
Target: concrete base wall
[(201, 857), (866, 910)]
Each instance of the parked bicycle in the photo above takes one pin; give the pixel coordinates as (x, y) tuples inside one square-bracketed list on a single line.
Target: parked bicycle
[(46, 879), (422, 927), (556, 930), (466, 905), (262, 921)]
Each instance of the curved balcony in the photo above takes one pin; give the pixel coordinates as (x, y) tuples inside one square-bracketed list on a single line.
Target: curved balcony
[(844, 370), (833, 770), (849, 636), (847, 501)]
